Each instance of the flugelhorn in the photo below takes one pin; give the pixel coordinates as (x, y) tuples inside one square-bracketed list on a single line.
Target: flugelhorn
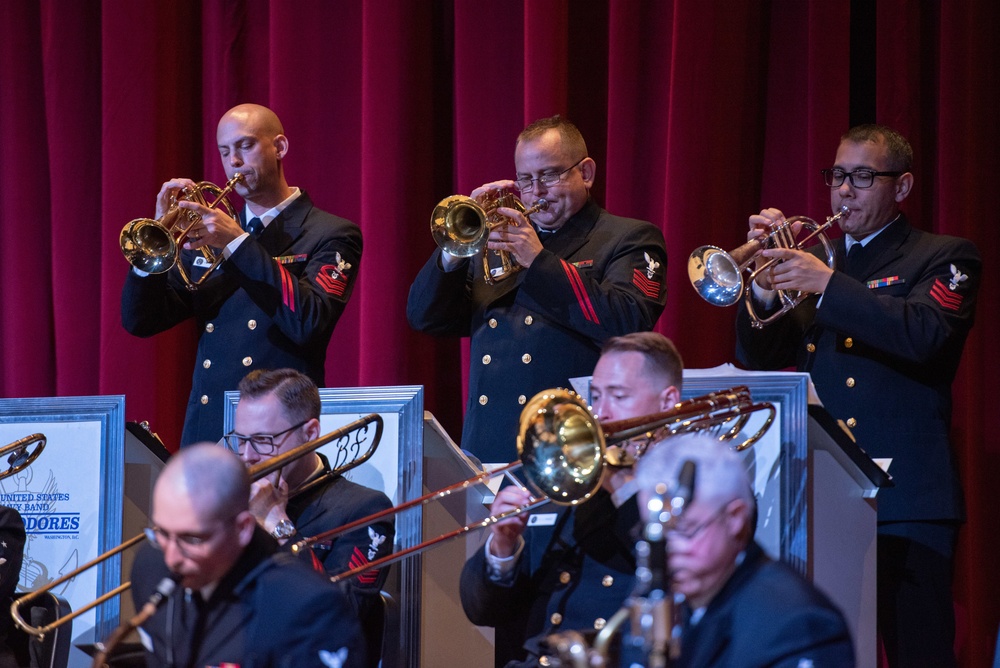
[(563, 450), (18, 457), (153, 246), (718, 276), (461, 226), (256, 472)]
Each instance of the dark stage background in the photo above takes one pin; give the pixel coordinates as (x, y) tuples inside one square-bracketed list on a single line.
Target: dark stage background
[(697, 113)]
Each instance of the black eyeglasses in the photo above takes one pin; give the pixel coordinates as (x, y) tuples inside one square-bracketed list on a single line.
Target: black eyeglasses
[(547, 180), (860, 178), (263, 444)]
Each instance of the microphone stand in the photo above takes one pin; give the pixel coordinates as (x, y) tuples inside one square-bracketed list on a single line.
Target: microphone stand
[(157, 599)]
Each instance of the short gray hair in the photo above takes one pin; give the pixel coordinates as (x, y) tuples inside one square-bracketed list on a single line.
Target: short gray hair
[(720, 474)]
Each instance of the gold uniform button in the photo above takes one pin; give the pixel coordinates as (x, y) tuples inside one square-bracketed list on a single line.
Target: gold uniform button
[(599, 623), (852, 423), (487, 359), (528, 320), (251, 324), (544, 661), (565, 577), (521, 399), (526, 358), (483, 399), (850, 382), (204, 399), (493, 323), (247, 361), (811, 347), (209, 327), (848, 342), (207, 363), (556, 618), (607, 581)]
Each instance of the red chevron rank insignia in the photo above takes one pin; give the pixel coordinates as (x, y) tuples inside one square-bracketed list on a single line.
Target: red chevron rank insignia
[(358, 560), (648, 287), (946, 299), (333, 277)]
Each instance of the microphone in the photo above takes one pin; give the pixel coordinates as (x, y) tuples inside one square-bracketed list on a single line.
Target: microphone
[(163, 591)]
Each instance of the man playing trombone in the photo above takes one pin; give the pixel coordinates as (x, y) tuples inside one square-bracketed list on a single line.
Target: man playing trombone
[(571, 567), (237, 601), (278, 411)]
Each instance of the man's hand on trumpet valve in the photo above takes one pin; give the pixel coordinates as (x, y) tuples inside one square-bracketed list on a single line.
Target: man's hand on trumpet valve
[(797, 270), (520, 241), (168, 191), (506, 532), (215, 228)]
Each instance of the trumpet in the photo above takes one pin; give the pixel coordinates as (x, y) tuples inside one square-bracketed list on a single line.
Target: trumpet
[(152, 246), (717, 276), (563, 450), (18, 456), (461, 226), (256, 472)]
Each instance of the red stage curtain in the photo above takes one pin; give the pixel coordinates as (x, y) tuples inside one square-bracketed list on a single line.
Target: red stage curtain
[(697, 114)]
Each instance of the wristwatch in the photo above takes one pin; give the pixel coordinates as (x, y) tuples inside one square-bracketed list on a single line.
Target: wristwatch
[(283, 529)]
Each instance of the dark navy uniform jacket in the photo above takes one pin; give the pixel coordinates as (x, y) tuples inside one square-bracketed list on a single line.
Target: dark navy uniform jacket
[(269, 611), (766, 615), (598, 276), (883, 348), (333, 504), (573, 574), (272, 304)]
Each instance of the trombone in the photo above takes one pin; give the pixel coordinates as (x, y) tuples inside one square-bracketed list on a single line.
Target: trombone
[(256, 472), (564, 449), (19, 458)]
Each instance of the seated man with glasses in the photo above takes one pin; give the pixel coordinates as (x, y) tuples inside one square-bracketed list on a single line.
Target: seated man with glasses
[(739, 607), (587, 276), (278, 411), (238, 600), (569, 568), (882, 337)]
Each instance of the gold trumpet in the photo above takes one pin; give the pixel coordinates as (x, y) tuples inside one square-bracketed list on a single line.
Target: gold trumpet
[(256, 472), (152, 246), (563, 450), (18, 456), (461, 226), (717, 276)]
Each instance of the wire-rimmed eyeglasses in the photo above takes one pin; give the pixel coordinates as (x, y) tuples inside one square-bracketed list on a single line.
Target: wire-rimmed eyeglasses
[(526, 185), (263, 444), (859, 178)]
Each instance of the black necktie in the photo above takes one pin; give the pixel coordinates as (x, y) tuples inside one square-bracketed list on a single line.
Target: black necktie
[(255, 227), (855, 260)]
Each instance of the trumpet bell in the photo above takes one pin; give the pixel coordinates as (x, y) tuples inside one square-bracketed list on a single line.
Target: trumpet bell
[(715, 275), (459, 226), (561, 447), (148, 246)]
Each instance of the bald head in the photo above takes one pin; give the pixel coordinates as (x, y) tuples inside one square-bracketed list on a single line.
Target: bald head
[(255, 116), (211, 479), (253, 143)]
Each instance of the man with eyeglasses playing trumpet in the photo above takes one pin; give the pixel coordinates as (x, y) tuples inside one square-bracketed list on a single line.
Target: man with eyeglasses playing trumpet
[(238, 601), (587, 276), (559, 567), (882, 337), (278, 411)]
